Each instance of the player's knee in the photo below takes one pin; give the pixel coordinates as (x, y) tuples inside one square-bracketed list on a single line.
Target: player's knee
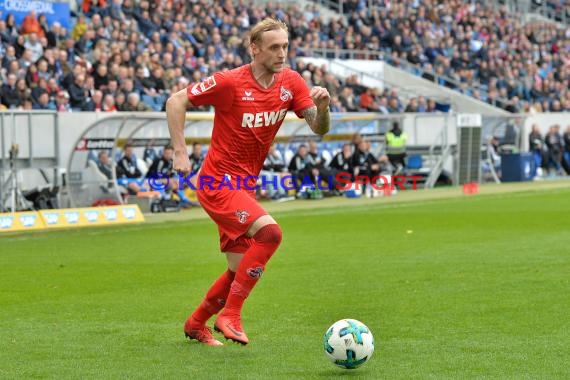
[(269, 234)]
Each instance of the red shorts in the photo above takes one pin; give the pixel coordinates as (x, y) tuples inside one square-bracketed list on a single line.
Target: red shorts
[(234, 211)]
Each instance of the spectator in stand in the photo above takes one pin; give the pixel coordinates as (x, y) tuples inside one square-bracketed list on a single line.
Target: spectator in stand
[(30, 24), (490, 53), (44, 103), (62, 102), (77, 93), (134, 104), (109, 103), (9, 93), (95, 103)]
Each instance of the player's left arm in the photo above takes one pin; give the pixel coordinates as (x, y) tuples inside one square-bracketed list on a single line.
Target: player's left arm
[(318, 116)]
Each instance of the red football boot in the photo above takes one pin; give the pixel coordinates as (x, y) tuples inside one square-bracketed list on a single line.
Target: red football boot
[(230, 326), (202, 334)]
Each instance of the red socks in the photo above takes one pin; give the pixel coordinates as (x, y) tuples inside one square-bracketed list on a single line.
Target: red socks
[(215, 298), (251, 267), (230, 293)]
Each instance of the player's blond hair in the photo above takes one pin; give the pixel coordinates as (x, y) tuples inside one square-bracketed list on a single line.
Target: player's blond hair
[(263, 26)]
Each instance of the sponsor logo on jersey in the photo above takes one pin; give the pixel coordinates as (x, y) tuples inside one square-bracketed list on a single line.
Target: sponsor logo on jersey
[(247, 96), (285, 94), (263, 119), (204, 86), (242, 216)]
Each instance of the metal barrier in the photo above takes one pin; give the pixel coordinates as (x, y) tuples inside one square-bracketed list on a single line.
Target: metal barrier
[(28, 143)]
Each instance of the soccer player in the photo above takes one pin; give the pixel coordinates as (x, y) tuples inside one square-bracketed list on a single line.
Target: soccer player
[(250, 104)]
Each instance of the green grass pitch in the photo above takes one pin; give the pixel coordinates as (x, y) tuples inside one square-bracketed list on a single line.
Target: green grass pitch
[(467, 287)]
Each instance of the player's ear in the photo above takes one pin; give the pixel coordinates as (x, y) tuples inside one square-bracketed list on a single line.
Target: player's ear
[(253, 49)]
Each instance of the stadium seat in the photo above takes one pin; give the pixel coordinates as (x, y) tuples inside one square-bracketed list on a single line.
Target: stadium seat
[(415, 162), (99, 176)]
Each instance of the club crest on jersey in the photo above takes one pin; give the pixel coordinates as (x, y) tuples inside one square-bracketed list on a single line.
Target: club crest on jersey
[(248, 96), (242, 216), (285, 94)]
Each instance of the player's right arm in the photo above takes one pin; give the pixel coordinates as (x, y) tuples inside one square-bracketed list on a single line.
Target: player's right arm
[(176, 107), (216, 90)]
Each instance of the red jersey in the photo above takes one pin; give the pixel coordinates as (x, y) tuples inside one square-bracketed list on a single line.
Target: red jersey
[(247, 117)]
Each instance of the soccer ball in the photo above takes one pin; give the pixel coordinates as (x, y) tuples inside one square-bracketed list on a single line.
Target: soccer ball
[(349, 343)]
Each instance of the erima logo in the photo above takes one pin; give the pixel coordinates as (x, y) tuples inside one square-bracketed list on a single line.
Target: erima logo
[(91, 216), (72, 217), (51, 218), (28, 220), (110, 215), (248, 96), (263, 119), (129, 213), (6, 222)]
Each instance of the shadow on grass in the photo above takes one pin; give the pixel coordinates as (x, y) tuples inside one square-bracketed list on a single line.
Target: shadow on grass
[(358, 373)]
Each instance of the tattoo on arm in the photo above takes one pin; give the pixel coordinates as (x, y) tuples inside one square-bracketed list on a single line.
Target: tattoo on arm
[(319, 121)]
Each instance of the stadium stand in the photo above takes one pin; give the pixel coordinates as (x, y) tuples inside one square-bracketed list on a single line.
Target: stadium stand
[(154, 48)]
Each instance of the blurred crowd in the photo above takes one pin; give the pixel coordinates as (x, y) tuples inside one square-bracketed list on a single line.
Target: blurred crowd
[(129, 55), (489, 54)]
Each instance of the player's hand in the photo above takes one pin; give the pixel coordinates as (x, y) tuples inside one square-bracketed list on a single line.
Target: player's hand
[(321, 97), (182, 164)]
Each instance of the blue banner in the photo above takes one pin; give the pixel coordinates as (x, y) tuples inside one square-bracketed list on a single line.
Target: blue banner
[(54, 10)]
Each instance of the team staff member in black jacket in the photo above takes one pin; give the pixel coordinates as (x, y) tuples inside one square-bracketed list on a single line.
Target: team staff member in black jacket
[(342, 162), (128, 173), (364, 162), (300, 164), (164, 165)]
